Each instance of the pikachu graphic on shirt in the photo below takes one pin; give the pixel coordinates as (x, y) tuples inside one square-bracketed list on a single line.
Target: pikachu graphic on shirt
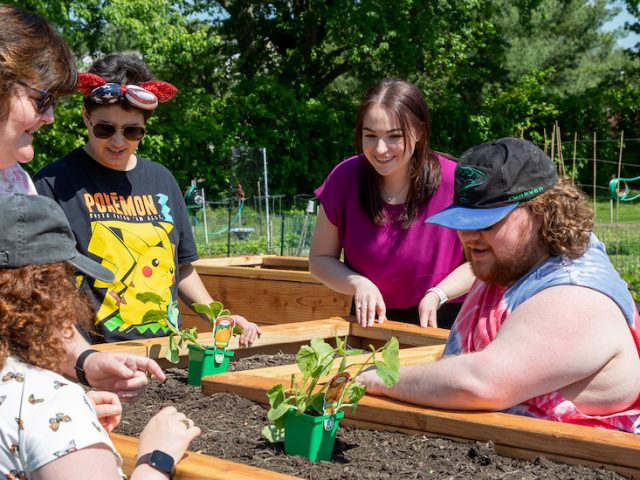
[(142, 258)]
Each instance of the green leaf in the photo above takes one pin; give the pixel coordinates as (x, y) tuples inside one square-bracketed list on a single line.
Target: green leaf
[(146, 297), (306, 360), (354, 351), (388, 375), (276, 395), (355, 392), (237, 330), (317, 402), (173, 354), (391, 353), (343, 365), (273, 434), (203, 308), (279, 411), (154, 316)]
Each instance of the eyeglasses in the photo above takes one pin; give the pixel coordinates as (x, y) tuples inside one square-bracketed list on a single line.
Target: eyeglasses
[(107, 130), (44, 101)]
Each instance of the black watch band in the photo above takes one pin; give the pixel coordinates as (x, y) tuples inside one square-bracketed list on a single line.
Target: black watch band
[(163, 462), (82, 378)]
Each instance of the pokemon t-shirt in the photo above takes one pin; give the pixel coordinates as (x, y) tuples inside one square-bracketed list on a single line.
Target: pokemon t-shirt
[(135, 223)]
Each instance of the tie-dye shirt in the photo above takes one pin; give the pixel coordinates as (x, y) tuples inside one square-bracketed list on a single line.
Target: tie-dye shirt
[(488, 306), (15, 180)]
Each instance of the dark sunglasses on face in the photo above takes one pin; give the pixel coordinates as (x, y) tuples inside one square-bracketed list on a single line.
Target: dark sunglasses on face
[(107, 130), (45, 99)]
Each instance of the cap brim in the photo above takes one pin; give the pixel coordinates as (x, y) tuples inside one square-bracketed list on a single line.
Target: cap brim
[(465, 218), (91, 268)]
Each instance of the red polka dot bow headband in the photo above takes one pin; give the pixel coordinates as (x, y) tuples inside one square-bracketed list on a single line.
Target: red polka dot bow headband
[(145, 96)]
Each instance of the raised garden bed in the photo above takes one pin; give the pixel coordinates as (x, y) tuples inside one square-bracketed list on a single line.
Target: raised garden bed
[(267, 290), (509, 435), (231, 430)]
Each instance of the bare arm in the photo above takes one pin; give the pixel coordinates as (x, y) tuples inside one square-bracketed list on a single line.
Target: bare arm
[(169, 431), (562, 338), (454, 285), (325, 265), (115, 372), (191, 290)]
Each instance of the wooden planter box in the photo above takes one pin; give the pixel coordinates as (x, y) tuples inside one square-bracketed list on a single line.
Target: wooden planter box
[(285, 337), (513, 435), (196, 466), (288, 338), (267, 290)]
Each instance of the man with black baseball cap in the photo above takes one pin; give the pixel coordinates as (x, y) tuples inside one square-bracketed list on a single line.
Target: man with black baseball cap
[(549, 329), (34, 231)]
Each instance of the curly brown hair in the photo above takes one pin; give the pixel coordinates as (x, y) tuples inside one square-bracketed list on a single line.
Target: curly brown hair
[(567, 221), (39, 305)]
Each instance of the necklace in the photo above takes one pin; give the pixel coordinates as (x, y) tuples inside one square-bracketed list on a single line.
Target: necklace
[(396, 197)]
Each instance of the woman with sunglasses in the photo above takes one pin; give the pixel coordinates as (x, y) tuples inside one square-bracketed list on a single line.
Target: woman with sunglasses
[(36, 68), (126, 211)]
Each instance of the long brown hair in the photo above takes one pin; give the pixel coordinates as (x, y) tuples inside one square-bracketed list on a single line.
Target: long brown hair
[(39, 305), (33, 52), (405, 101)]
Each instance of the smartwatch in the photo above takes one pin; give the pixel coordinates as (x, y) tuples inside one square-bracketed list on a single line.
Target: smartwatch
[(163, 462)]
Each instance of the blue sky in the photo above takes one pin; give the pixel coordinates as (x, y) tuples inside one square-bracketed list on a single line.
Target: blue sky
[(619, 21)]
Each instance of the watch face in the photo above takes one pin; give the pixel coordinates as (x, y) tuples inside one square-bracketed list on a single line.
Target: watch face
[(161, 461)]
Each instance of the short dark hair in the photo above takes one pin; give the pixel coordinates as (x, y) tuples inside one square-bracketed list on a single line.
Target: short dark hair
[(33, 52), (404, 100), (123, 69)]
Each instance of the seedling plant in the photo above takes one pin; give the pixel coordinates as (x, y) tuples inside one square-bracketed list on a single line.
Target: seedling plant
[(316, 361), (169, 318)]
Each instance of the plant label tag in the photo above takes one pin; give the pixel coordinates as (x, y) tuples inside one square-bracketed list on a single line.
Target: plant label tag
[(222, 332), (334, 395)]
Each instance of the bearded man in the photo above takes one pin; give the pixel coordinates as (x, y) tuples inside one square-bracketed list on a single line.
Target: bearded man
[(549, 329)]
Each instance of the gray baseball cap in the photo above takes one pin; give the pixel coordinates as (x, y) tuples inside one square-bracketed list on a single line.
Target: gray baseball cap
[(34, 231)]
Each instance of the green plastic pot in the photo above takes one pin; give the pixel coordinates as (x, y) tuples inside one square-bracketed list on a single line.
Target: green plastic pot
[(311, 436), (209, 361)]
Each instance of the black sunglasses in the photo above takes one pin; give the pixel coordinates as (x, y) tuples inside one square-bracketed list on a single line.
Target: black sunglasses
[(45, 99), (107, 130)]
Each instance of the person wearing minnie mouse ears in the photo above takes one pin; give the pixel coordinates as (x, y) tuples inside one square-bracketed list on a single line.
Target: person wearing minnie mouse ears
[(127, 212)]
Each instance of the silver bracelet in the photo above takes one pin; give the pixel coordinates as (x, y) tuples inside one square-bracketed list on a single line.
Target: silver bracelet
[(442, 297)]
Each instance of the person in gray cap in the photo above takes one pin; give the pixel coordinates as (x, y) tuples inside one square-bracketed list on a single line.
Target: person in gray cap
[(50, 428), (549, 329)]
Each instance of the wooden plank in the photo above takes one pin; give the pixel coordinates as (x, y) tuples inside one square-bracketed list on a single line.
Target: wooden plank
[(405, 333), (244, 261), (134, 348), (196, 466), (408, 356), (506, 451), (271, 335), (274, 297), (608, 447), (286, 263)]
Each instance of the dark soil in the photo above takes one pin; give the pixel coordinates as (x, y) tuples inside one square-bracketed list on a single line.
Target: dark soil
[(231, 428)]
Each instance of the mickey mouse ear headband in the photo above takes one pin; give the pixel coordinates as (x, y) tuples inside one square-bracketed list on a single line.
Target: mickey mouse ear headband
[(145, 96)]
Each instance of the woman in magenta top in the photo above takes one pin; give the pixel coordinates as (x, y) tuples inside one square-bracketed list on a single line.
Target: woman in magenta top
[(373, 206)]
